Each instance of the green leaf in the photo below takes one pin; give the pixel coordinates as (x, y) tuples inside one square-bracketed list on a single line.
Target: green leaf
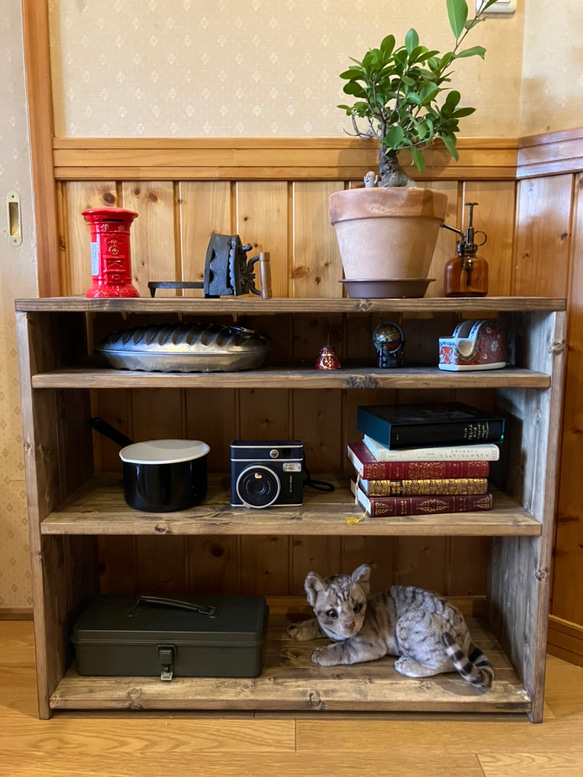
[(474, 51), (449, 141), (394, 137), (353, 73), (428, 93), (421, 130), (387, 46), (418, 159), (411, 40), (451, 101), (461, 112), (355, 89), (457, 10)]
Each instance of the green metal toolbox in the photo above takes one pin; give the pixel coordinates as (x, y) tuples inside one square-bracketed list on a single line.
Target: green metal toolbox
[(145, 636)]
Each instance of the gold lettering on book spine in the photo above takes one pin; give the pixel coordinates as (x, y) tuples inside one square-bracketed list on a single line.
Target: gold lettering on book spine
[(420, 487)]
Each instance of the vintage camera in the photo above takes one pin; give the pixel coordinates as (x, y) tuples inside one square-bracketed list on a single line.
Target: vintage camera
[(266, 473)]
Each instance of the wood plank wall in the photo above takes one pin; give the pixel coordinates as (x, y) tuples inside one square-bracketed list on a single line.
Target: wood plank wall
[(274, 194)]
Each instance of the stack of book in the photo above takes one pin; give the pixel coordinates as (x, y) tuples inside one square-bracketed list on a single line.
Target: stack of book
[(420, 459)]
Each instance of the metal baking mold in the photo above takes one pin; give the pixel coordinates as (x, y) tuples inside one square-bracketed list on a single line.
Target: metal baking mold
[(184, 348)]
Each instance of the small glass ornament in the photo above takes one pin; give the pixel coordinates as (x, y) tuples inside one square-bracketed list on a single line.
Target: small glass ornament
[(389, 341), (327, 359)]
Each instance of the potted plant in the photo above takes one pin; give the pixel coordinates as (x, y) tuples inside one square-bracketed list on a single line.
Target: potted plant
[(403, 100)]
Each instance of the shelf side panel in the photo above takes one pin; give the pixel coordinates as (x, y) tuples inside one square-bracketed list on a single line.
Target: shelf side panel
[(519, 580), (58, 458)]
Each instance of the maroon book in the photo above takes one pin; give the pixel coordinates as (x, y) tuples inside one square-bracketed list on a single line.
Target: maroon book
[(393, 506), (370, 469)]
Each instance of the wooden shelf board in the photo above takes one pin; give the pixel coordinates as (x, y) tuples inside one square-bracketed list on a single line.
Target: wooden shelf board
[(290, 681), (303, 377), (283, 305), (98, 508)]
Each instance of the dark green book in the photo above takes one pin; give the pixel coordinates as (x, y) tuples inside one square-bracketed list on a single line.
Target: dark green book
[(428, 425)]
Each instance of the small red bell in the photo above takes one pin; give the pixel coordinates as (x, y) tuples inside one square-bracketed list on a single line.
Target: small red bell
[(327, 359), (111, 265)]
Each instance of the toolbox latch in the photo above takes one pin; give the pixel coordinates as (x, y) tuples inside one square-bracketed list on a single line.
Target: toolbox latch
[(166, 655)]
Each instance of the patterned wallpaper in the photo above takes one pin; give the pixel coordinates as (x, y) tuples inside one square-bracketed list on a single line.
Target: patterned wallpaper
[(552, 74), (252, 68), (17, 279)]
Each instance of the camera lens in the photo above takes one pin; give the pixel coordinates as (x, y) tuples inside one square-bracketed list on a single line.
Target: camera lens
[(258, 486)]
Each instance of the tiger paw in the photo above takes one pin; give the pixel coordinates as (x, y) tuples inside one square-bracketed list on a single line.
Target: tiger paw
[(322, 657)]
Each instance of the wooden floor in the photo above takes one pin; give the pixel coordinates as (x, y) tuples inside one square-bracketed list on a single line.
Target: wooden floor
[(79, 744)]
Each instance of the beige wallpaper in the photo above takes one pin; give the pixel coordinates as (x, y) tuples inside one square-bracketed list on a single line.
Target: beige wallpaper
[(552, 74), (17, 279), (252, 68)]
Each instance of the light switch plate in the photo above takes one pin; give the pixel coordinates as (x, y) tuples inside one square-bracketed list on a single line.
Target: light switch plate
[(501, 6)]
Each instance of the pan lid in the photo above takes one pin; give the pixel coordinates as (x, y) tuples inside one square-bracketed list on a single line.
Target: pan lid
[(163, 451)]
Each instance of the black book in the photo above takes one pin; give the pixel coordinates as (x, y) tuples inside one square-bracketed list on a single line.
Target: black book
[(428, 425)]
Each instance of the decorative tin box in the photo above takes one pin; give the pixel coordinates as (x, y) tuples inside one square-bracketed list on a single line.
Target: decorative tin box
[(474, 345), (203, 636)]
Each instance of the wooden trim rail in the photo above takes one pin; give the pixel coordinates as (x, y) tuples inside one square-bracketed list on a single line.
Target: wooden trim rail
[(266, 159)]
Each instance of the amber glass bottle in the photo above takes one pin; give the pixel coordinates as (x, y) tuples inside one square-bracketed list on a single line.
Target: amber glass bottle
[(466, 275)]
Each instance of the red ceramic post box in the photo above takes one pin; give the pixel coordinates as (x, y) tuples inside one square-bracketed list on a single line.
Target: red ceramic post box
[(111, 265)]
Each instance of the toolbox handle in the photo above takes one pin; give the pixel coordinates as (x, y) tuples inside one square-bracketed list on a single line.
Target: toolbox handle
[(209, 610)]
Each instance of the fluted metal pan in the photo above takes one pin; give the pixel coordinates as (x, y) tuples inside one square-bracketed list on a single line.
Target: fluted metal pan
[(184, 348)]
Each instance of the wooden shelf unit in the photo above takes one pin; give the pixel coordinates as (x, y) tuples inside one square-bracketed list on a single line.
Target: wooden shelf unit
[(71, 506)]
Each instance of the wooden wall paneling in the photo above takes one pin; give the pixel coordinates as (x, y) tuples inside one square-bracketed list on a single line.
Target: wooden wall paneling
[(376, 551), (467, 566), (446, 240), (117, 555), (495, 215), (153, 240), (64, 278), (81, 195), (203, 207), (265, 414), (257, 159), (316, 265), (161, 562), (262, 220), (567, 602), (211, 416), (213, 561), (214, 565), (265, 565), (541, 258), (421, 561), (313, 554), (317, 422)]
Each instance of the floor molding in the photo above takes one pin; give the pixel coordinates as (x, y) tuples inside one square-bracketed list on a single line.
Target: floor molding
[(565, 640)]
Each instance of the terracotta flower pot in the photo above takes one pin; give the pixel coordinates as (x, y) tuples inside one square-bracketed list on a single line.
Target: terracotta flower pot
[(386, 234)]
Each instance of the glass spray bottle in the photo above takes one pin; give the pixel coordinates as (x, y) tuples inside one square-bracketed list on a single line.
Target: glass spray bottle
[(466, 275)]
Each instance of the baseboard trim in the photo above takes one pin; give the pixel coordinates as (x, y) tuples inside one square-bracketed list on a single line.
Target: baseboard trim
[(15, 614), (565, 640)]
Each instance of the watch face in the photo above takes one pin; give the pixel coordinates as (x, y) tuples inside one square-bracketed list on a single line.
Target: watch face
[(388, 336)]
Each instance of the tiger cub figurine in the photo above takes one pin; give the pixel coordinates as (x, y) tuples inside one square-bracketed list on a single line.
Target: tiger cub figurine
[(429, 634)]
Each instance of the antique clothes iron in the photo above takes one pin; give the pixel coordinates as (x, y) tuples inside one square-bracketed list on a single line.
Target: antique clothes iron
[(226, 271), (474, 345)]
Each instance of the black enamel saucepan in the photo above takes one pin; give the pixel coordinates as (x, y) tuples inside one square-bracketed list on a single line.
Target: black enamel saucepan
[(160, 476)]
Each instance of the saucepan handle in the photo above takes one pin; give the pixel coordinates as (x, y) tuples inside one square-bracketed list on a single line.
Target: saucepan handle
[(109, 431)]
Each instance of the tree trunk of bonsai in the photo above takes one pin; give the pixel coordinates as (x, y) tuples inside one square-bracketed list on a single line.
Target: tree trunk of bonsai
[(390, 170)]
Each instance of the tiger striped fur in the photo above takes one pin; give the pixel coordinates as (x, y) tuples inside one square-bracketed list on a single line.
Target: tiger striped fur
[(425, 631)]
